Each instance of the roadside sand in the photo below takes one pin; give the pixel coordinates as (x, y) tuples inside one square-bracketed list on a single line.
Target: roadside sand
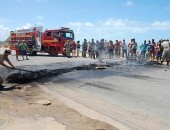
[(23, 108)]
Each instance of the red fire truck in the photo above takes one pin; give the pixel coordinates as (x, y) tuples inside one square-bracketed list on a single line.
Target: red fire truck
[(49, 41)]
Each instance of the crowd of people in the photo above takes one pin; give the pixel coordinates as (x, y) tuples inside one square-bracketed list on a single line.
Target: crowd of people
[(151, 50)]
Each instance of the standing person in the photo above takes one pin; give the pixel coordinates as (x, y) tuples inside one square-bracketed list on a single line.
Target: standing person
[(134, 48), (84, 48), (68, 48), (97, 51), (166, 51), (111, 49), (89, 49), (106, 49), (78, 48), (92, 46), (73, 46), (24, 48), (148, 50), (4, 57), (152, 49), (159, 50), (17, 49), (130, 49), (143, 48), (124, 48), (118, 48), (100, 49)]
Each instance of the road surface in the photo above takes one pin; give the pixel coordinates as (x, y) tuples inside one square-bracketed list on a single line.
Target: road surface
[(133, 97)]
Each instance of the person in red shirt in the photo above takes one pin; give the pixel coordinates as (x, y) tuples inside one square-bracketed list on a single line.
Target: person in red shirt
[(117, 48), (17, 49)]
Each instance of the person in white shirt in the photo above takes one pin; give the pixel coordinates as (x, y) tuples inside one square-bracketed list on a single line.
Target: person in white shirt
[(124, 48), (166, 51)]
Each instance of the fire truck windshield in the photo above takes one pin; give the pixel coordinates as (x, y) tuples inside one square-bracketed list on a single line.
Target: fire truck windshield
[(67, 35)]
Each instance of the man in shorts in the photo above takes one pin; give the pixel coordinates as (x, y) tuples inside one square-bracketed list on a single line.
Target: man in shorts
[(23, 48)]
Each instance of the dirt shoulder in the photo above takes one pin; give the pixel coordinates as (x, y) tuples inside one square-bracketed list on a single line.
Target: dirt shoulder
[(29, 107)]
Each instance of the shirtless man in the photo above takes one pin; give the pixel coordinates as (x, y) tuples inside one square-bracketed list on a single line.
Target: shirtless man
[(4, 57)]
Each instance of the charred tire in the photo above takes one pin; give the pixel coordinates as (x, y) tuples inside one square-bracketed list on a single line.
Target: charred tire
[(53, 51)]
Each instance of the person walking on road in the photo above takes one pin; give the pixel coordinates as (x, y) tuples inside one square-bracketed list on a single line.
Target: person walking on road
[(4, 58), (23, 47)]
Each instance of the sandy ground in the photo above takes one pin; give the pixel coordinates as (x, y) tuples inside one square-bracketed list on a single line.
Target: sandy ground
[(29, 107)]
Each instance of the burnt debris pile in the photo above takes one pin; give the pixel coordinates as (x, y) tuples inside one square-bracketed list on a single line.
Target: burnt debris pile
[(22, 77)]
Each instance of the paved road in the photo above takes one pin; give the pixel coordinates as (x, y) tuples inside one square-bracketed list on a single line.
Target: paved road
[(135, 100)]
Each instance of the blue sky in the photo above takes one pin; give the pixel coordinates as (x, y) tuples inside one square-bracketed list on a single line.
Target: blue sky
[(108, 19)]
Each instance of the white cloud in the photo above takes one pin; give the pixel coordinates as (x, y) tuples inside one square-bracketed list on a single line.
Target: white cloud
[(75, 24), (161, 25), (116, 28), (27, 26), (125, 25), (39, 24), (88, 24), (129, 3), (115, 23), (79, 24), (4, 32), (40, 17)]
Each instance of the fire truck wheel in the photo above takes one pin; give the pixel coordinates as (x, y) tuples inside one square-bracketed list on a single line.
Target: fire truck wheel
[(34, 53), (53, 51)]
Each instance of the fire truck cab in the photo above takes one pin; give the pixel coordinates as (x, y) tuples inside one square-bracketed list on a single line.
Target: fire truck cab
[(49, 41), (53, 40)]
